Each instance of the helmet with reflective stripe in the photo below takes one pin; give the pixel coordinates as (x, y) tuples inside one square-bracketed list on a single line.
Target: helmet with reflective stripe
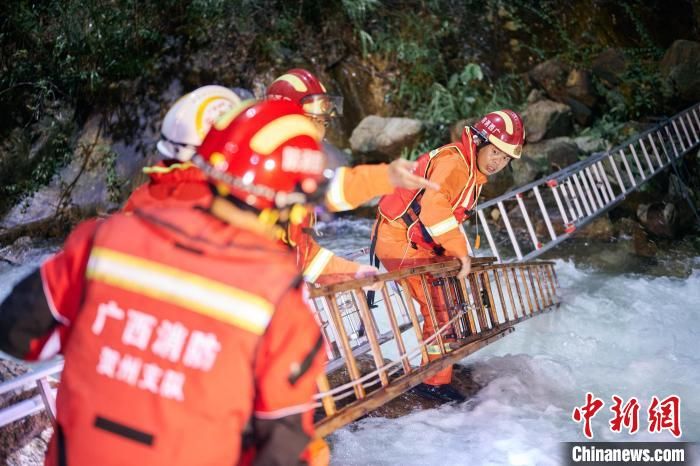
[(266, 154), (304, 88), (504, 129), (189, 120)]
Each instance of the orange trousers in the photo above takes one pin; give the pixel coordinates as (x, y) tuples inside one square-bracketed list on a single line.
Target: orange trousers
[(394, 251)]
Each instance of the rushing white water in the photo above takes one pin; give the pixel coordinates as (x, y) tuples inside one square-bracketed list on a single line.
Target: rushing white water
[(632, 335)]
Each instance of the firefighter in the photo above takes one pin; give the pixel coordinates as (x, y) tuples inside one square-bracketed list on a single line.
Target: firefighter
[(416, 226), (352, 187), (175, 180), (173, 354)]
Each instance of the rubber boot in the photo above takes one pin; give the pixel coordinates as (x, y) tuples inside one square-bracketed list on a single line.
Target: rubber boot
[(443, 393)]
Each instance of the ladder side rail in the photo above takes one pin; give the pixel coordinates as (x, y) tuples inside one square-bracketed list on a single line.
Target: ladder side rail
[(511, 233), (535, 242)]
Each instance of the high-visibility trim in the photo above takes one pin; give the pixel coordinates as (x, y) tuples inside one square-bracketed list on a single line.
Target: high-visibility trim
[(295, 82), (196, 293), (171, 168), (434, 350), (317, 264), (281, 130), (443, 227), (335, 197)]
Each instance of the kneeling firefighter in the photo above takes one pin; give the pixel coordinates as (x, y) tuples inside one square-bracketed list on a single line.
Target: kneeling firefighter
[(173, 354), (415, 226)]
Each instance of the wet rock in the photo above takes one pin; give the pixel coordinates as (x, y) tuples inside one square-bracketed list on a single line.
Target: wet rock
[(659, 219), (547, 119), (457, 128), (528, 169), (383, 139), (600, 229), (643, 246), (591, 144), (262, 80), (25, 249), (554, 153), (99, 177), (681, 67), (582, 114), (579, 86), (536, 95), (33, 453), (551, 76), (609, 66), (363, 92), (498, 184)]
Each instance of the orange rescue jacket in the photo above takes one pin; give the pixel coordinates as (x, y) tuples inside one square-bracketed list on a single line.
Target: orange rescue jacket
[(170, 183), (433, 218), (172, 350)]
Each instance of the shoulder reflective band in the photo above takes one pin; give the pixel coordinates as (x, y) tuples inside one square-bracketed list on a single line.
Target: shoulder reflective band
[(335, 198), (442, 227), (317, 264), (169, 284)]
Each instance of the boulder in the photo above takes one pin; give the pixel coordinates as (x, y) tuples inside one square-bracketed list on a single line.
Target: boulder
[(579, 86), (457, 128), (536, 95), (591, 144), (609, 66), (498, 184), (547, 119), (553, 154), (383, 139), (659, 219), (363, 92), (100, 175), (680, 65), (551, 76), (581, 114), (600, 229), (528, 169)]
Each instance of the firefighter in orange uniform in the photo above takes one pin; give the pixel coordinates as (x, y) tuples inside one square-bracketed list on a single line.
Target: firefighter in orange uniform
[(172, 353), (415, 226), (351, 186)]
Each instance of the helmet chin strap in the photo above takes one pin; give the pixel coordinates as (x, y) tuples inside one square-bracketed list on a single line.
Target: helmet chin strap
[(226, 211)]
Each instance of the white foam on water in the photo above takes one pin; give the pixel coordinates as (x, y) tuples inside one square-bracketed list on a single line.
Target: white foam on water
[(629, 335)]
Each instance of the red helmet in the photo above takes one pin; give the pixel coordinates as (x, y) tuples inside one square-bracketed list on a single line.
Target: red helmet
[(266, 154), (504, 129), (304, 88)]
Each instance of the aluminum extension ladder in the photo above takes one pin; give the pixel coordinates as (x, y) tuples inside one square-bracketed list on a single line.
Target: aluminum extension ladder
[(574, 196)]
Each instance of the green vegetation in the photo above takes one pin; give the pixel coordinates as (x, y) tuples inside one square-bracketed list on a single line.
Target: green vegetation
[(444, 60)]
